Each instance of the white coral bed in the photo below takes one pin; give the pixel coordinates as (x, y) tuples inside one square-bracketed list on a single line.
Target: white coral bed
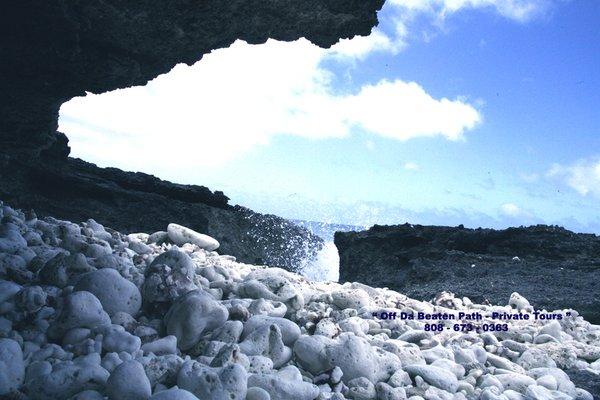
[(89, 313)]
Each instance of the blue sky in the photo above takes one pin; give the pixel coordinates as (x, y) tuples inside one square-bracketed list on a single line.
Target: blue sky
[(481, 112)]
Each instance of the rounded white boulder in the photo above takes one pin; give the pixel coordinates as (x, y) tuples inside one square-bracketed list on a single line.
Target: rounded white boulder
[(285, 384), (228, 382), (256, 393), (192, 316), (116, 293), (289, 330), (357, 358), (181, 235), (435, 376), (12, 369), (80, 310), (173, 394), (128, 382)]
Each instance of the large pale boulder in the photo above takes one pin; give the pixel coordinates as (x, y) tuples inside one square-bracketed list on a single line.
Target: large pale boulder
[(65, 379), (80, 310), (290, 331), (311, 353), (227, 382), (116, 293), (117, 339), (169, 276), (63, 270), (128, 382), (435, 376), (285, 384), (181, 235), (516, 382), (267, 341), (352, 354), (12, 369), (173, 394), (165, 345), (193, 315), (356, 358)]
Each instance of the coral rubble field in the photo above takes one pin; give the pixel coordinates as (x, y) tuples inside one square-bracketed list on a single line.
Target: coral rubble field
[(90, 313)]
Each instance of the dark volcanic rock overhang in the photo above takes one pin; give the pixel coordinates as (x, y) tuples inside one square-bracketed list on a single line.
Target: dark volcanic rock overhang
[(555, 269), (53, 50)]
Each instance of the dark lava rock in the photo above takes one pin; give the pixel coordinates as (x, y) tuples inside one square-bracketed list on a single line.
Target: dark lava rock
[(556, 268), (134, 202), (54, 50), (586, 380)]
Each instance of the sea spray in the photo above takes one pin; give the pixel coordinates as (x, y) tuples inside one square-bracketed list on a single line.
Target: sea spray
[(325, 266)]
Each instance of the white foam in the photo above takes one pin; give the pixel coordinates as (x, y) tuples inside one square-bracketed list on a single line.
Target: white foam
[(325, 266)]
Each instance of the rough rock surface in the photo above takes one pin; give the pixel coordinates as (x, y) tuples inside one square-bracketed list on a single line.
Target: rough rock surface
[(54, 50), (12, 368), (115, 293), (247, 332), (128, 381), (551, 266), (132, 202)]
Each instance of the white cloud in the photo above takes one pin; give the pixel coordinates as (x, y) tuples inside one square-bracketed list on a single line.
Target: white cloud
[(241, 97), (400, 18), (237, 98), (518, 10), (582, 176), (411, 166), (361, 46), (403, 110), (512, 210), (529, 178)]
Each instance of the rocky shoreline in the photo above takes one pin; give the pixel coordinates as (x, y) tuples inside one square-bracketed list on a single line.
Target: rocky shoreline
[(551, 266), (53, 51), (89, 313), (76, 190)]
